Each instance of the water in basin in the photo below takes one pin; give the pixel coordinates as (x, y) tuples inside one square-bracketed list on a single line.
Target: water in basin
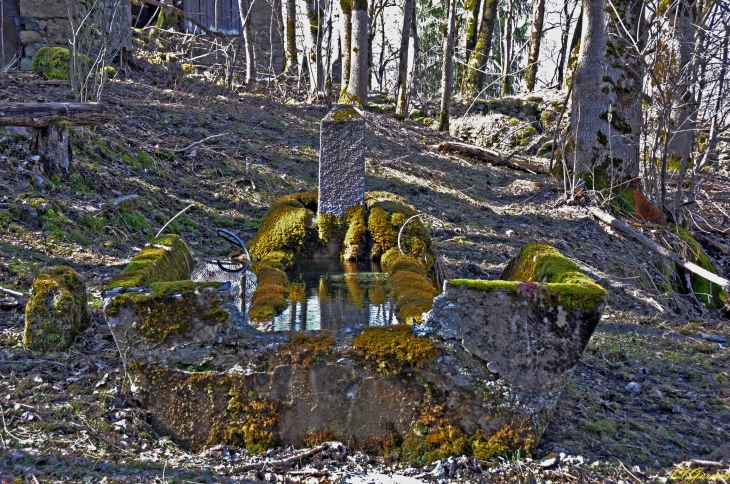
[(330, 294)]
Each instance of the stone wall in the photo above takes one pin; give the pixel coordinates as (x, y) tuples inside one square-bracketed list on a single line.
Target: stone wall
[(46, 23), (42, 23)]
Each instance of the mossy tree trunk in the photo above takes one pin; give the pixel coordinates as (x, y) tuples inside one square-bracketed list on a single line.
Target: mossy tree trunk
[(473, 79), (244, 9), (447, 77), (401, 109), (538, 16), (469, 34), (290, 47), (313, 37), (357, 88), (346, 41), (563, 56), (603, 141)]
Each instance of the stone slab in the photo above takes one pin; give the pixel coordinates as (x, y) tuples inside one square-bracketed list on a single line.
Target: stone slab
[(341, 160)]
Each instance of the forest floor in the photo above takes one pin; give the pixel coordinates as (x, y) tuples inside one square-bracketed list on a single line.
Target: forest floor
[(70, 416)]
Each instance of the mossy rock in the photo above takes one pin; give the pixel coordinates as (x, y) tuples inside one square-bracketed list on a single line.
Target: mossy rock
[(165, 258), (53, 63), (392, 349), (56, 312), (545, 266)]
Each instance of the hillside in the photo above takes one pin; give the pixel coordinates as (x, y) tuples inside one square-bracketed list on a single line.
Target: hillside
[(70, 415)]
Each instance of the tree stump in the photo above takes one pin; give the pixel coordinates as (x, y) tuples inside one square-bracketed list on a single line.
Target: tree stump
[(51, 143)]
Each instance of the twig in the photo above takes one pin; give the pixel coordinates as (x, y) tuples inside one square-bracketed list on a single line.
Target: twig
[(193, 145), (5, 427), (637, 479), (12, 293), (290, 460), (182, 14), (173, 218)]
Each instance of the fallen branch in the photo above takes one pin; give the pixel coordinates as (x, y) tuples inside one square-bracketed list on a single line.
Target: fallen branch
[(180, 13), (193, 145), (12, 293), (674, 257), (715, 245), (173, 218), (480, 154), (290, 460), (709, 228)]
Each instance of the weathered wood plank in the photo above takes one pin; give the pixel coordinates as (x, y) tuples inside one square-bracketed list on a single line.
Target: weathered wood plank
[(40, 115)]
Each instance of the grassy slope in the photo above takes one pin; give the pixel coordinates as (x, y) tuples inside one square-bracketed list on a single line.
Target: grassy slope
[(481, 216)]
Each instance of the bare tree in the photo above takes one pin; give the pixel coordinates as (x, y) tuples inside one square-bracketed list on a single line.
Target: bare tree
[(346, 41), (244, 9), (290, 41), (357, 87), (313, 38), (447, 76), (538, 16), (401, 109), (413, 58), (507, 40)]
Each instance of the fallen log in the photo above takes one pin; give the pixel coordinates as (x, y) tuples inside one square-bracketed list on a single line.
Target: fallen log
[(674, 257), (481, 154), (50, 122), (41, 115)]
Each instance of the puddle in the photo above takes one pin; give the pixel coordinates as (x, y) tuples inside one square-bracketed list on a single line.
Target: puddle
[(330, 294)]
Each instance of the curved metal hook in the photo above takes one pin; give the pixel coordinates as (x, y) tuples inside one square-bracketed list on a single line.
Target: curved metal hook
[(233, 239)]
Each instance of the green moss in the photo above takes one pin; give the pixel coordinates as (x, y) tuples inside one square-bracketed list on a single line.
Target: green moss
[(109, 72), (348, 98), (56, 310), (343, 113), (711, 294), (433, 437), (508, 438), (171, 308), (283, 228), (392, 349), (165, 258), (545, 265), (305, 349), (269, 298), (250, 423), (5, 219), (383, 234), (52, 62)]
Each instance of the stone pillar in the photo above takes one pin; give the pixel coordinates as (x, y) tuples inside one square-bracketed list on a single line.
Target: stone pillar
[(341, 160)]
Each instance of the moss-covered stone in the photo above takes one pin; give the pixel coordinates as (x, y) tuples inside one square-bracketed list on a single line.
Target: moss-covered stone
[(305, 349), (412, 290), (165, 258), (171, 307), (283, 228), (392, 349), (709, 293), (52, 62), (269, 298), (56, 310), (549, 270), (433, 437)]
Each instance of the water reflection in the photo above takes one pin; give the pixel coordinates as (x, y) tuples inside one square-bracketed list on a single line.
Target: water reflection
[(330, 294)]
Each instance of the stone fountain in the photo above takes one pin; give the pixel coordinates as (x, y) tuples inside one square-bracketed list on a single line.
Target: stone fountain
[(475, 367)]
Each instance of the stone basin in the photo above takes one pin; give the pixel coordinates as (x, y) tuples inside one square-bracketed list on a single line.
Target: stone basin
[(476, 369)]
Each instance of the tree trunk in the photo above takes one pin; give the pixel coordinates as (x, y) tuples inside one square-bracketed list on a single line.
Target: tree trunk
[(574, 50), (473, 82), (538, 15), (244, 12), (313, 45), (607, 93), (40, 115), (290, 47), (562, 56), (346, 36), (401, 109), (447, 77), (507, 48), (357, 88), (472, 11), (328, 45), (413, 58), (372, 28)]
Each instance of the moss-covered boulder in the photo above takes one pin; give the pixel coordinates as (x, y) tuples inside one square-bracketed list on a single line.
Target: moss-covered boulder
[(709, 293), (56, 312), (53, 62), (165, 258)]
